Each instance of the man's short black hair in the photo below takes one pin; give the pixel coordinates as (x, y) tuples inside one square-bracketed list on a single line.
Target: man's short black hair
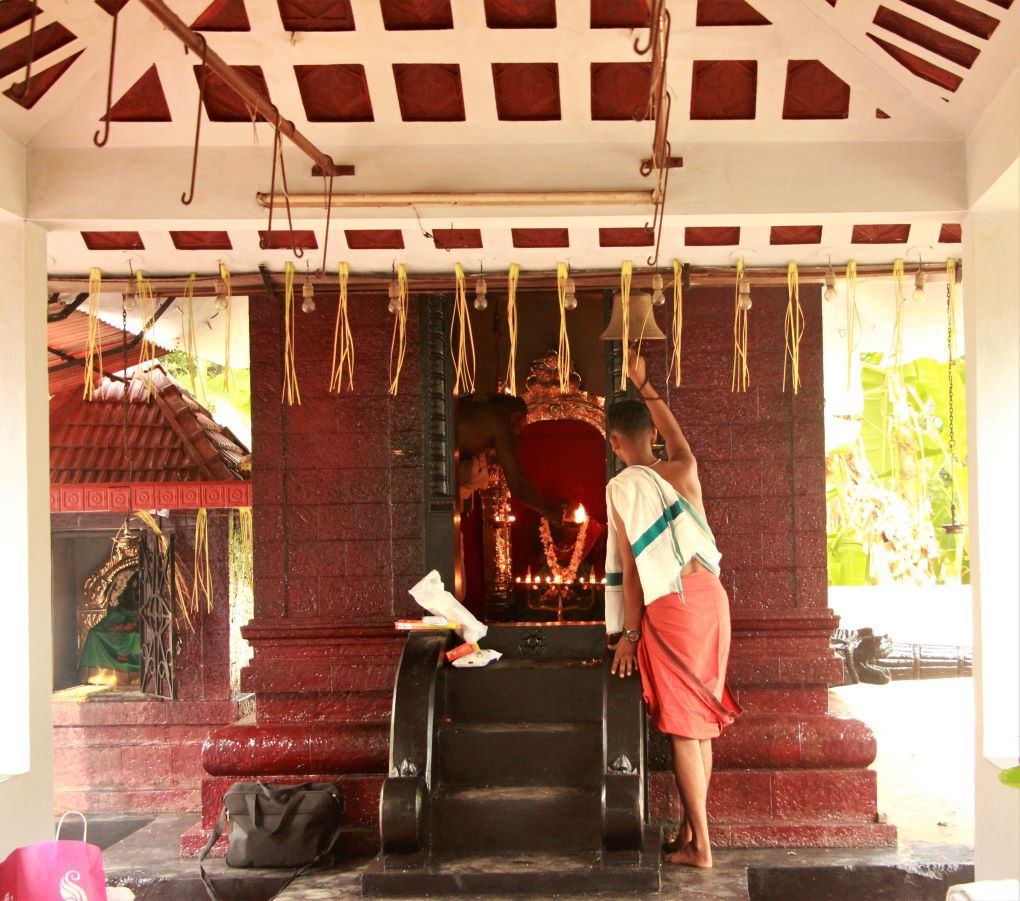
[(511, 403), (628, 417)]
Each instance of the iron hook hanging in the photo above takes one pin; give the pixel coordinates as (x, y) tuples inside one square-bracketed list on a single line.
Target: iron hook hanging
[(328, 192), (653, 24), (266, 240), (22, 89), (189, 195), (297, 251), (101, 142)]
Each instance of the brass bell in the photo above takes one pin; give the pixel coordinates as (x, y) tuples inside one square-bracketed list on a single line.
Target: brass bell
[(642, 324)]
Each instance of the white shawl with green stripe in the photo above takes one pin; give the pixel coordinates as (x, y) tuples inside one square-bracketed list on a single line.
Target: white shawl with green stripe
[(665, 532)]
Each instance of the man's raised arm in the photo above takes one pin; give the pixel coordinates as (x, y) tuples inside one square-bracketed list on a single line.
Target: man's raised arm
[(663, 419)]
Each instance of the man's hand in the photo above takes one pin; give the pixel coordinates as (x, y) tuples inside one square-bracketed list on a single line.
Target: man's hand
[(625, 659), (636, 368)]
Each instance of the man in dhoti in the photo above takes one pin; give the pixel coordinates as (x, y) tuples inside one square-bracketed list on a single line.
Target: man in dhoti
[(664, 595)]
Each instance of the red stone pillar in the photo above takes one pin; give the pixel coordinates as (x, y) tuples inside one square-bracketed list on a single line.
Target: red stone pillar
[(787, 773), (338, 518)]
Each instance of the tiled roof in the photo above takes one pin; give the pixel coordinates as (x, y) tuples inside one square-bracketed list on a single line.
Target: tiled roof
[(169, 437), (67, 338)]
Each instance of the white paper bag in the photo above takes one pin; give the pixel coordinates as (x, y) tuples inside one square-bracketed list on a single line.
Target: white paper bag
[(430, 594)]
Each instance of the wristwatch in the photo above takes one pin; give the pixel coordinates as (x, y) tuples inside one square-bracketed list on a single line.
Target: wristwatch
[(632, 635)]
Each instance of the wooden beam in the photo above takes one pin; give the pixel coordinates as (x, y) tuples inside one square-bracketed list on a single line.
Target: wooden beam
[(466, 199)]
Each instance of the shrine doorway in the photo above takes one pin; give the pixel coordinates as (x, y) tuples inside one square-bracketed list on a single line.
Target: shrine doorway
[(516, 565)]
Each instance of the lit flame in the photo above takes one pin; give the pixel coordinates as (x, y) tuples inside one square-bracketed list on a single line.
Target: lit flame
[(580, 514)]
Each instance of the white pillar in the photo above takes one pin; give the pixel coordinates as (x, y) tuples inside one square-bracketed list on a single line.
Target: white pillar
[(26, 668), (992, 335)]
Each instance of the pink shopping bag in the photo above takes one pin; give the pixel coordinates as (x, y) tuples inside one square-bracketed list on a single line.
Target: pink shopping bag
[(60, 870)]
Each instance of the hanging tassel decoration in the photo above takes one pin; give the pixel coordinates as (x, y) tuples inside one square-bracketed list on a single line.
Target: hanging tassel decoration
[(146, 347), (227, 302), (897, 338), (626, 275), (94, 354), (794, 328), (741, 375), (398, 341), (202, 571), (195, 369), (853, 319), (343, 340), (678, 322), (563, 363), (291, 393), (463, 348), (510, 383), (243, 539)]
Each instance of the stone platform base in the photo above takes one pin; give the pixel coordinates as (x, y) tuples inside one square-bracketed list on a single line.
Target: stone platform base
[(538, 874)]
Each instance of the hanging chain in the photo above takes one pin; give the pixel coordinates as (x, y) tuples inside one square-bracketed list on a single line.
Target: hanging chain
[(952, 423)]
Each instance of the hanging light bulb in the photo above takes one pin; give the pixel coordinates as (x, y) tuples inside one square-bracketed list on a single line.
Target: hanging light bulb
[(658, 297), (393, 292), (481, 300), (221, 294), (919, 280), (744, 294), (830, 284), (569, 295), (308, 298), (130, 301)]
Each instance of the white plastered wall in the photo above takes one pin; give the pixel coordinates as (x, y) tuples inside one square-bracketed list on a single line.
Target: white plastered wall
[(26, 751), (992, 316)]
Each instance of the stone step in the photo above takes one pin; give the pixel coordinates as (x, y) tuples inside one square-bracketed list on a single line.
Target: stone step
[(525, 690), (553, 819), (505, 754), (548, 641)]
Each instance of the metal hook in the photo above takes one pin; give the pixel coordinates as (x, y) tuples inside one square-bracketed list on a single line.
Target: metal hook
[(265, 241), (101, 142), (653, 22), (189, 195), (23, 92), (297, 251), (329, 209)]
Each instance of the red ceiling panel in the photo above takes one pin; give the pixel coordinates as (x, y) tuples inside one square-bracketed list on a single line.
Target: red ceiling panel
[(881, 114), (619, 13), (284, 239), (626, 237), (813, 91), (711, 235), (374, 238), (540, 237), (724, 89), (39, 83), (959, 15), (619, 90), (316, 15), (14, 12), (527, 91), (113, 240), (728, 12), (47, 39), (457, 238), (112, 7), (959, 52), (1005, 4), (795, 234), (416, 15), (221, 103), (335, 93), (880, 234), (520, 13), (429, 92), (920, 67), (223, 15), (144, 101), (950, 233), (198, 240)]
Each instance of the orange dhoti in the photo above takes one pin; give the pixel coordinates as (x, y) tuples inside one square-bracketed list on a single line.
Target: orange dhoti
[(682, 658)]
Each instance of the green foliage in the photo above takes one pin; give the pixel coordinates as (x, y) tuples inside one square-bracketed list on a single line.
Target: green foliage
[(891, 491)]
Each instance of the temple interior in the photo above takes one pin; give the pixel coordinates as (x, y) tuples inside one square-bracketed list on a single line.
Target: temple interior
[(312, 304)]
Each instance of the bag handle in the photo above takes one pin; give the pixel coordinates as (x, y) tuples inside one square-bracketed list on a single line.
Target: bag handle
[(252, 803), (84, 825)]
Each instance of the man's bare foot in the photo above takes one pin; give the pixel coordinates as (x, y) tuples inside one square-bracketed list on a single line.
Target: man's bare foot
[(690, 856)]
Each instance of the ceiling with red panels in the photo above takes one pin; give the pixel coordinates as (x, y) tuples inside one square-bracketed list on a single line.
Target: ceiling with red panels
[(506, 95)]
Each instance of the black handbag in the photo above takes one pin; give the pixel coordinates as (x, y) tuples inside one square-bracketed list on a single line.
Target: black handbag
[(277, 826)]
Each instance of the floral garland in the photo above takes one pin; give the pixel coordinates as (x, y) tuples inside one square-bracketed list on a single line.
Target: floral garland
[(570, 573)]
